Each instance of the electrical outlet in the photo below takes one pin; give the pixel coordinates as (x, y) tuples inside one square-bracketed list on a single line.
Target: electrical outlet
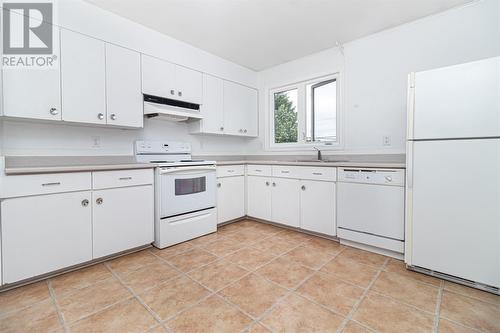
[(96, 141), (386, 140)]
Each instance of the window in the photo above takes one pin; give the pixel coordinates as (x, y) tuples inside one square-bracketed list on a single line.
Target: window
[(305, 114)]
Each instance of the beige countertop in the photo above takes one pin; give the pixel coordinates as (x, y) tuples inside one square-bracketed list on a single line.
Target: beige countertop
[(15, 165), (394, 165)]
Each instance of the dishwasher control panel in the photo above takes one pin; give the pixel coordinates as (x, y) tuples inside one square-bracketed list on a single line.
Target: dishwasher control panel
[(395, 177)]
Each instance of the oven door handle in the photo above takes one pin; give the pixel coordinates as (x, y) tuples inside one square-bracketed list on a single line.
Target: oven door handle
[(182, 169)]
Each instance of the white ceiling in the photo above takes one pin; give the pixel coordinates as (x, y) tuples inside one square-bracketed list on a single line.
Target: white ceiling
[(259, 34)]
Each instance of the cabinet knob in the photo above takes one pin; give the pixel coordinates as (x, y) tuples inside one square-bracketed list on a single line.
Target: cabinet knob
[(222, 128), (100, 116), (99, 201), (241, 131), (388, 178), (113, 116), (179, 93), (218, 184), (267, 183), (303, 188), (244, 130), (274, 184), (53, 111), (85, 203), (172, 92)]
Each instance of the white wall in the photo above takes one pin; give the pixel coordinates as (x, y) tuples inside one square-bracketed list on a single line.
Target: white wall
[(375, 70), (35, 138)]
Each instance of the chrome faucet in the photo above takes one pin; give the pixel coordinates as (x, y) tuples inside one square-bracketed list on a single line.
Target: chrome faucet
[(320, 158)]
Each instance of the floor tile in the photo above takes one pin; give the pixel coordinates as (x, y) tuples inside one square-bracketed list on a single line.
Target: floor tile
[(148, 276), (398, 266), (90, 299), (353, 327), (157, 329), (407, 290), (223, 247), (471, 292), (274, 245), (173, 296), (21, 297), (250, 258), (268, 228), (335, 294), (229, 228), (364, 257), (253, 294), (248, 236), (132, 262), (285, 272), (75, 280), (192, 259), (309, 257), (127, 316), (351, 271), (294, 237), (324, 245), (172, 250), (218, 274), (385, 315), (296, 314), (470, 312), (40, 317), (212, 315), (446, 326), (207, 239), (258, 328)]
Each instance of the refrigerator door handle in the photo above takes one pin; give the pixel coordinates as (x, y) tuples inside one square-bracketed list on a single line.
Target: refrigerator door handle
[(410, 105)]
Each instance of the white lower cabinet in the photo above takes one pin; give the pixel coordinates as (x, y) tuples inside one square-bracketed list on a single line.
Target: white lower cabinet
[(230, 198), (317, 206), (285, 201), (259, 197), (45, 233), (121, 219)]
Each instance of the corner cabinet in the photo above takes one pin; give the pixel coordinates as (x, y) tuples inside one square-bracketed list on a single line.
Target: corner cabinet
[(228, 108)]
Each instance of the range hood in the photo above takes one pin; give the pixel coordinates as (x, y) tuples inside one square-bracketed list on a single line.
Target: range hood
[(170, 109)]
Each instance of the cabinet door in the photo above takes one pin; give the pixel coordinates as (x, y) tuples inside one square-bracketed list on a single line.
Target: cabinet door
[(83, 78), (157, 77), (41, 234), (212, 107), (240, 110), (41, 86), (123, 87), (259, 197), (123, 218), (188, 85), (285, 201), (230, 198), (317, 206)]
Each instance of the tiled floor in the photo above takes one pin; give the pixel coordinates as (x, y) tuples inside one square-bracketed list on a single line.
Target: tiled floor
[(249, 277)]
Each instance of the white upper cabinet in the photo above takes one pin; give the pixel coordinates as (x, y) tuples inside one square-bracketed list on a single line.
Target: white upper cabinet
[(188, 85), (32, 93), (212, 108), (123, 87), (157, 77), (164, 79), (83, 78), (240, 110)]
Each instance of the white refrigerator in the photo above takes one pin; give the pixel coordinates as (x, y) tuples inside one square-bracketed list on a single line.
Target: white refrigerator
[(453, 173)]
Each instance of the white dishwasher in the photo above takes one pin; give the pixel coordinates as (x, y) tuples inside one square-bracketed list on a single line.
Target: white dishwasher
[(370, 209)]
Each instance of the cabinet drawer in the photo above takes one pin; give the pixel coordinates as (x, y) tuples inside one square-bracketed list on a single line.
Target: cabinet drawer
[(318, 173), (121, 178), (230, 170), (259, 170), (285, 171), (24, 185)]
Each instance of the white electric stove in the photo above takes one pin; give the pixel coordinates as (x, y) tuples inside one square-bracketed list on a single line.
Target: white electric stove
[(185, 200)]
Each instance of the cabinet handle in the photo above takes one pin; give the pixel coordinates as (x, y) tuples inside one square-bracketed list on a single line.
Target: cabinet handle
[(388, 178), (53, 111), (283, 171), (179, 93), (125, 178), (258, 170), (245, 130), (100, 116), (303, 188), (218, 184), (267, 183), (113, 116), (241, 131), (85, 203), (230, 171), (99, 201), (317, 173), (51, 184), (172, 92), (222, 128), (274, 184)]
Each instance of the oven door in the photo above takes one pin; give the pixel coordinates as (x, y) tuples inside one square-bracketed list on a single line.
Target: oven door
[(186, 189)]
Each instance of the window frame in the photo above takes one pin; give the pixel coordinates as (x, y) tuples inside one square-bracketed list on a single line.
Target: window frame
[(301, 143)]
